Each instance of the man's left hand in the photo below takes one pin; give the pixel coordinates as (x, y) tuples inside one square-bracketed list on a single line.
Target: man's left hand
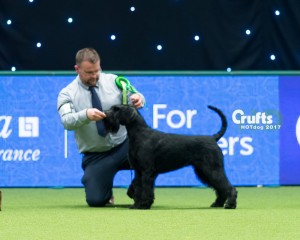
[(136, 100)]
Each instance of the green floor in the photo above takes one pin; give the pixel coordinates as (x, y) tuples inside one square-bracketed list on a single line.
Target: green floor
[(178, 213)]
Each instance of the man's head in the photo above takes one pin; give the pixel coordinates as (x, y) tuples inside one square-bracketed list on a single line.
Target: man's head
[(88, 66)]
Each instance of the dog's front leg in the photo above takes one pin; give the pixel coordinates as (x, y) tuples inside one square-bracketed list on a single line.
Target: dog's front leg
[(144, 191), (137, 190), (147, 197), (144, 197), (131, 189)]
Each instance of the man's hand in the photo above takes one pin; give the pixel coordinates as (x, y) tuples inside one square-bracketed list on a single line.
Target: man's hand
[(136, 100), (94, 114)]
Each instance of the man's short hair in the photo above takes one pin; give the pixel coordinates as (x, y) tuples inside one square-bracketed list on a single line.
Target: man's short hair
[(87, 54)]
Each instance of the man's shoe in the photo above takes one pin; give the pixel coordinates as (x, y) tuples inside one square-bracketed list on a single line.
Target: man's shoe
[(111, 201)]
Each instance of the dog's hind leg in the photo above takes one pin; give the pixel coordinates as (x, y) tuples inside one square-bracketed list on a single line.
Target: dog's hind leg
[(231, 200), (206, 179), (216, 179), (220, 200), (226, 193)]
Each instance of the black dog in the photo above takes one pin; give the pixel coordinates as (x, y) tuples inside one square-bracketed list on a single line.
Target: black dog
[(153, 152)]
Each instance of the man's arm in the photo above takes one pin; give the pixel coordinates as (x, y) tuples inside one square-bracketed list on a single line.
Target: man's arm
[(69, 117)]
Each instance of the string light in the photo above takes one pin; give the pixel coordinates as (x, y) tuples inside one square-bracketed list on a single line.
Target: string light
[(251, 31), (272, 57), (13, 69)]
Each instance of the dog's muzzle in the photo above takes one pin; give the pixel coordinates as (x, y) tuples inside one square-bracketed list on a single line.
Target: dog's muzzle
[(111, 123)]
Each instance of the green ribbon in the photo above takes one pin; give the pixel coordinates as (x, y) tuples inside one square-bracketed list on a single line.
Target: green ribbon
[(124, 84)]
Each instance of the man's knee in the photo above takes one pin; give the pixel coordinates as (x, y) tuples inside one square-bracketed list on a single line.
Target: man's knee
[(96, 202)]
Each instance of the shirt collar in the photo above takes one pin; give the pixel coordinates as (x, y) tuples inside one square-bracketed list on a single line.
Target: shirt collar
[(85, 86)]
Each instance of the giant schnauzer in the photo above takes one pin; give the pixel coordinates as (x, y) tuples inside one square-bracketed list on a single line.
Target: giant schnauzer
[(152, 152)]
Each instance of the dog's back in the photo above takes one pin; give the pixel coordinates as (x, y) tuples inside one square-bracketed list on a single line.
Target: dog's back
[(216, 136)]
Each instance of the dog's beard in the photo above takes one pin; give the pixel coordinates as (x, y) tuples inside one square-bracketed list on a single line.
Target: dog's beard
[(111, 124)]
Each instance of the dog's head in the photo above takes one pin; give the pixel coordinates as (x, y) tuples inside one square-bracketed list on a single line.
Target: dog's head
[(119, 114), (111, 123)]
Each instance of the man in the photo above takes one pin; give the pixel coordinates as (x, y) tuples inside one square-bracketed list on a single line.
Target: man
[(103, 154)]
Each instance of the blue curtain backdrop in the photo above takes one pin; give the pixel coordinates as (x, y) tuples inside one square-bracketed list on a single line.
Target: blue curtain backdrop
[(35, 150)]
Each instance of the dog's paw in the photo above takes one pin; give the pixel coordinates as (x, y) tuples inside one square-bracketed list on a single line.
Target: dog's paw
[(230, 206), (231, 201), (136, 206), (217, 205)]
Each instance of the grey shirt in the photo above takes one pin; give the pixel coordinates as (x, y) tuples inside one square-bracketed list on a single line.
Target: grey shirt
[(72, 104)]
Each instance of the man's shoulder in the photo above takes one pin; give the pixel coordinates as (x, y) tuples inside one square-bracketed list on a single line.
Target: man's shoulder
[(110, 76), (108, 80), (71, 86), (68, 92)]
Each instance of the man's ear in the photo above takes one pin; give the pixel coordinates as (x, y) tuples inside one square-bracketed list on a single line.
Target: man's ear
[(76, 68)]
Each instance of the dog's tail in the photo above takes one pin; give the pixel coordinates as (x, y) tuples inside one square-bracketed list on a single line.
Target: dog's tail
[(222, 131)]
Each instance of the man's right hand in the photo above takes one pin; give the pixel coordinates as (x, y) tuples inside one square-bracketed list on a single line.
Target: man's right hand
[(94, 114)]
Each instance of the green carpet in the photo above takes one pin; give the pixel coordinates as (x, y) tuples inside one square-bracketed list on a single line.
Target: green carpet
[(178, 213)]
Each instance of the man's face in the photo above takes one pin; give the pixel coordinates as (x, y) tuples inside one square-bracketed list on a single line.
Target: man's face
[(88, 72)]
